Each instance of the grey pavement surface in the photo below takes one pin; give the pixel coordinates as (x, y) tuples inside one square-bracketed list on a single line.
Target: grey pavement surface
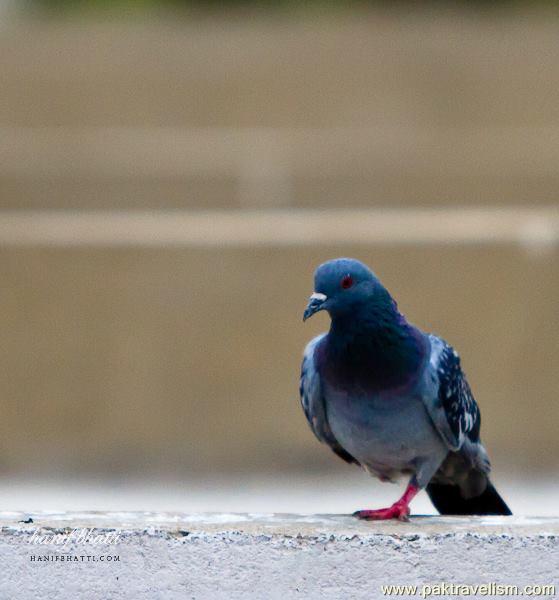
[(258, 555)]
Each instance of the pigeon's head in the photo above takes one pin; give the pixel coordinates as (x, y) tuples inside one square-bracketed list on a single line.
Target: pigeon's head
[(341, 286)]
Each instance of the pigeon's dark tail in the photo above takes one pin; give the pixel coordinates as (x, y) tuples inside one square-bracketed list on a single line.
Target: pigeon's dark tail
[(448, 500)]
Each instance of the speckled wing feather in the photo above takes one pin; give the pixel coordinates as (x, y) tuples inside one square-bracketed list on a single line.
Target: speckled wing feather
[(312, 402), (452, 406)]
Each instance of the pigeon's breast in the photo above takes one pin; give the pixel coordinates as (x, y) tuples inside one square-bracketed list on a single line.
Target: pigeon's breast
[(390, 434)]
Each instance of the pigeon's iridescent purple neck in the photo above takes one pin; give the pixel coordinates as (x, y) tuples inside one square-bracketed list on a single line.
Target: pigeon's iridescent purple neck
[(373, 348)]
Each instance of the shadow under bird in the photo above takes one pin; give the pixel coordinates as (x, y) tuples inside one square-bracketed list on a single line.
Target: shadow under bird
[(388, 397)]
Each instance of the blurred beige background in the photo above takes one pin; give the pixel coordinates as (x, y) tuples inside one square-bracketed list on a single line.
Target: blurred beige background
[(149, 358)]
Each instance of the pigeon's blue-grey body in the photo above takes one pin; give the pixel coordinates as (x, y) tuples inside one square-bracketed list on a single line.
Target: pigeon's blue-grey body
[(385, 395)]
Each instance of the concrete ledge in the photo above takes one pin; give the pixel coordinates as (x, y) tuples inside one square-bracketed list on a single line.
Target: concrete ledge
[(162, 555)]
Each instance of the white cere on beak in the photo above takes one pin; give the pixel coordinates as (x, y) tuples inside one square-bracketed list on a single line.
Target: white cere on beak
[(318, 296)]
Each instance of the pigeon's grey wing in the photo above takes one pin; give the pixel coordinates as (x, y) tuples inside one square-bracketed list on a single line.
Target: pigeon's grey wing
[(313, 404), (449, 400)]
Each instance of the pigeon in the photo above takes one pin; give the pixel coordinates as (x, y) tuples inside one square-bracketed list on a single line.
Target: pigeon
[(393, 399)]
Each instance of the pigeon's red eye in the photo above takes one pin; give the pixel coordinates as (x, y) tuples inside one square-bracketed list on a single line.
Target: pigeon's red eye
[(347, 282)]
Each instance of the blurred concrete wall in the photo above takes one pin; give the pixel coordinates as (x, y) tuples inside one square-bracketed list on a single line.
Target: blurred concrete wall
[(186, 359), (385, 110)]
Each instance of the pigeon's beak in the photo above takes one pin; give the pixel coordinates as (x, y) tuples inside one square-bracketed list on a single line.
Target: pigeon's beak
[(316, 303)]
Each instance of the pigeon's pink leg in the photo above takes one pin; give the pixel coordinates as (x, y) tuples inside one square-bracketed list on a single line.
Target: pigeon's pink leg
[(399, 510)]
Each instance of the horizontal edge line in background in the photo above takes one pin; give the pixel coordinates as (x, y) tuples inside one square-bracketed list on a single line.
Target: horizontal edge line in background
[(46, 153), (530, 227)]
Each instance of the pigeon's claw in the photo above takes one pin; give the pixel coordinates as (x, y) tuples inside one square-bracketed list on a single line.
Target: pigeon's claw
[(398, 511)]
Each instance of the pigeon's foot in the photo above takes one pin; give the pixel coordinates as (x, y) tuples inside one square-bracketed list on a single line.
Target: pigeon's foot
[(398, 511)]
